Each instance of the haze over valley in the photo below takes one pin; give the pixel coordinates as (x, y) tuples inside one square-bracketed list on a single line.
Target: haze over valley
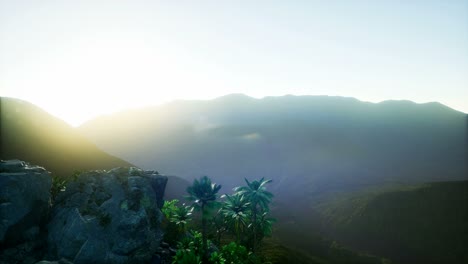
[(330, 158), (247, 132)]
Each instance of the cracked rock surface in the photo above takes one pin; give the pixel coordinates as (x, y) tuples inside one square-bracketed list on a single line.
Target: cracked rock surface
[(108, 217)]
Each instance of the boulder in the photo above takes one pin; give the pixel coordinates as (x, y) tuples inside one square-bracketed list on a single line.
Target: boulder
[(108, 217), (24, 202), (61, 261)]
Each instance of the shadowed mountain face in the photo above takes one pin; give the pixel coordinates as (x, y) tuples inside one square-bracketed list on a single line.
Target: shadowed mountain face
[(28, 133), (425, 223), (315, 143)]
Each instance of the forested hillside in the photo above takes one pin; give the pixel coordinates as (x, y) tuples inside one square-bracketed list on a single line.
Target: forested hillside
[(419, 224)]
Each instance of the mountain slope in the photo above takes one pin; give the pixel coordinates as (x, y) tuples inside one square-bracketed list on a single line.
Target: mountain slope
[(422, 224), (330, 141), (29, 133), (311, 146)]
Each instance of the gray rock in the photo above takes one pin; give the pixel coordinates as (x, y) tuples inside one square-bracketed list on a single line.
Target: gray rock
[(12, 165), (24, 201), (61, 261), (108, 217)]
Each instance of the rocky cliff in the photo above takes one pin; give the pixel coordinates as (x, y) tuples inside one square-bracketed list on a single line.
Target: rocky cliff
[(24, 207), (102, 217)]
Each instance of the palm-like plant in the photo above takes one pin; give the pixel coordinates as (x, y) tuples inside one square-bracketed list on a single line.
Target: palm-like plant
[(203, 193), (264, 225), (181, 216), (259, 198), (235, 210)]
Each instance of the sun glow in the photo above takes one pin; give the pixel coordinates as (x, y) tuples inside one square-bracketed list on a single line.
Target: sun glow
[(81, 59), (93, 78)]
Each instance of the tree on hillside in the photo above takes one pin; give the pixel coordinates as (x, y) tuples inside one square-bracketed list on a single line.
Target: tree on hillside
[(235, 210), (220, 225), (203, 193), (259, 198), (264, 225)]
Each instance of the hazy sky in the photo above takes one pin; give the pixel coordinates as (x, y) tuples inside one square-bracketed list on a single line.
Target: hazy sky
[(78, 59)]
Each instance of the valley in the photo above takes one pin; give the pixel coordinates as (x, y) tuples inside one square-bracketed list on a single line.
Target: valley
[(385, 179)]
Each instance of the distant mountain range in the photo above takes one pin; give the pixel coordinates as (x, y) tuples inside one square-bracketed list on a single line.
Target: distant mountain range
[(318, 142), (31, 134)]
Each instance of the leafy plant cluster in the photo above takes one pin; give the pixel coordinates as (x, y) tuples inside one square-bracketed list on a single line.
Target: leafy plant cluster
[(231, 229), (59, 183)]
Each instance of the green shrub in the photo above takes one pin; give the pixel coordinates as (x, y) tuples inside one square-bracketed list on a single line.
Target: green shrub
[(176, 220), (189, 249), (169, 208), (184, 256), (216, 258), (233, 254), (58, 185)]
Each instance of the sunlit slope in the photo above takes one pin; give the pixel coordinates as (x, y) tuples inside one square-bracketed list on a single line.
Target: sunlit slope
[(422, 224), (328, 141), (28, 133)]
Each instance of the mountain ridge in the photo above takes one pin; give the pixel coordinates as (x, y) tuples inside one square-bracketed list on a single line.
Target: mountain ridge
[(243, 97), (30, 133), (326, 127)]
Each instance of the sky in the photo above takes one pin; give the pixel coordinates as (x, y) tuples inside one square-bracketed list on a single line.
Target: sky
[(80, 59)]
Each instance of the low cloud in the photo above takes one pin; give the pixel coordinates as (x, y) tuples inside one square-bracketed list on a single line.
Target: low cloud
[(202, 124), (251, 136)]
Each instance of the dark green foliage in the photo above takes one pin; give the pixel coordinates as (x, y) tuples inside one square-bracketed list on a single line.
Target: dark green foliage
[(186, 257), (190, 249), (259, 199), (182, 216), (234, 253), (58, 185), (216, 258), (219, 225), (236, 213), (173, 231), (203, 193), (256, 193), (177, 217), (75, 175), (169, 208), (264, 225)]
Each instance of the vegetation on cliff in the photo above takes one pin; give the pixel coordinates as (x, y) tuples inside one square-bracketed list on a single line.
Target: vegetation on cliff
[(238, 228), (243, 215)]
